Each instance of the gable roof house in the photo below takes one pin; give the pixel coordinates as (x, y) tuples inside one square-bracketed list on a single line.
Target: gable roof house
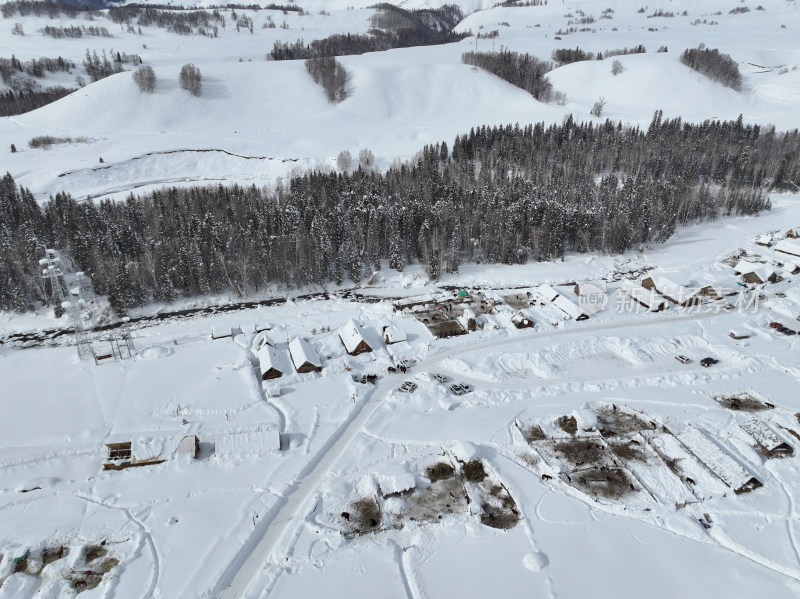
[(567, 306), (304, 357), (644, 297), (788, 246), (755, 273), (353, 339), (764, 240), (677, 294), (272, 362)]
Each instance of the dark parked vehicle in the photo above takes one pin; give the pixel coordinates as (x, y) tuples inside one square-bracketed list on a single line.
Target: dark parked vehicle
[(706, 362)]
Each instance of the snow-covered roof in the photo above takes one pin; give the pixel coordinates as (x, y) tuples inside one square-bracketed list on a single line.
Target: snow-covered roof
[(745, 266), (719, 462), (158, 445), (302, 353), (569, 307), (591, 287), (260, 439), (641, 295), (788, 246), (762, 434), (269, 358), (765, 272), (351, 335), (547, 293), (672, 290), (764, 239), (394, 334)]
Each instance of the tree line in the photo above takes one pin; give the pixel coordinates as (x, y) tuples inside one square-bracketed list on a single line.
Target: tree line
[(564, 56), (715, 65), (501, 195), (330, 74), (404, 29), (25, 93), (72, 31), (523, 70)]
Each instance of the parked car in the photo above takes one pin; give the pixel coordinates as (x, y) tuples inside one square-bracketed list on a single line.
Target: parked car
[(460, 388), (682, 359), (440, 378), (706, 362), (408, 387), (788, 331), (782, 329), (775, 325), (781, 295)]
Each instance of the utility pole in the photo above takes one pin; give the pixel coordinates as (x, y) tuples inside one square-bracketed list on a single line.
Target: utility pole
[(54, 272)]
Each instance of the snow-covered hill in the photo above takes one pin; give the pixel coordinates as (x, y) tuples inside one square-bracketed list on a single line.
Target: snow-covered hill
[(273, 118)]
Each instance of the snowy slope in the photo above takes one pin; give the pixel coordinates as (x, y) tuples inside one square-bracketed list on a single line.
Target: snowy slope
[(268, 112)]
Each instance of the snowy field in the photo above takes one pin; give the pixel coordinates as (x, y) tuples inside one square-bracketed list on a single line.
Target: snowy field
[(218, 457)]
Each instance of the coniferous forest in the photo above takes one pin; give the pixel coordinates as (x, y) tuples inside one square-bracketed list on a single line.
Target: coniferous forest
[(499, 195)]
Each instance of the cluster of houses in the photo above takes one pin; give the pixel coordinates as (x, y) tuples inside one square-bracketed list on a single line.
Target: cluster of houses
[(300, 356)]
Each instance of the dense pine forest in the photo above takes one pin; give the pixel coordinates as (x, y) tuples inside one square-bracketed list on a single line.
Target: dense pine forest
[(500, 195)]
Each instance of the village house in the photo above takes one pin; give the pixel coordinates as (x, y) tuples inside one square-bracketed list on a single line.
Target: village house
[(353, 339), (755, 273), (644, 297), (304, 357), (788, 246), (566, 306), (272, 362), (764, 240), (677, 294)]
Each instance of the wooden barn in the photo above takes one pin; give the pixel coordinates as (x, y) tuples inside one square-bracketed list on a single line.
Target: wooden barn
[(353, 339), (304, 357)]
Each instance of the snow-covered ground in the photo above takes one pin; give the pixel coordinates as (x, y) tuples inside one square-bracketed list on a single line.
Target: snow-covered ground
[(571, 459), (263, 120), (584, 457)]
